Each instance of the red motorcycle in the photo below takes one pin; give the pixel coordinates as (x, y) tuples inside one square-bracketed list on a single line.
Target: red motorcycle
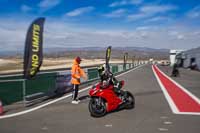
[(104, 99)]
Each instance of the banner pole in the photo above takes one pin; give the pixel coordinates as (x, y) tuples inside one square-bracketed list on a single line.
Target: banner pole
[(24, 92)]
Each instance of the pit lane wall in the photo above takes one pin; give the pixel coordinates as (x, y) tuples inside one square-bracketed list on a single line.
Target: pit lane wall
[(14, 89)]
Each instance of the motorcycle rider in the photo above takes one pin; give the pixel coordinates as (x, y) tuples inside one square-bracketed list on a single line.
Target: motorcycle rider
[(107, 78)]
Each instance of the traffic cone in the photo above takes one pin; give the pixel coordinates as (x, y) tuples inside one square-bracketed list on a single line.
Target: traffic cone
[(1, 108)]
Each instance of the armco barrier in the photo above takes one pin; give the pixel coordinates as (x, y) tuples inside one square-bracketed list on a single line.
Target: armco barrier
[(92, 73), (114, 69), (11, 91), (11, 86), (40, 83)]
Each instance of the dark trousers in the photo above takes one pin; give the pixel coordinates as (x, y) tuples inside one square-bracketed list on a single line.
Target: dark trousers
[(75, 91)]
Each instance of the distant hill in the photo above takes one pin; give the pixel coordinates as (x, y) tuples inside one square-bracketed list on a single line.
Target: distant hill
[(146, 49), (117, 52), (97, 52)]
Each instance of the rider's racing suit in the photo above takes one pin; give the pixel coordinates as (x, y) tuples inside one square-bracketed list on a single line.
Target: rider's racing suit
[(108, 78)]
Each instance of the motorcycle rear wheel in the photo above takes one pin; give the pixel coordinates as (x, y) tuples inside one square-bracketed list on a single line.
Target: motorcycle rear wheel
[(130, 100), (97, 107)]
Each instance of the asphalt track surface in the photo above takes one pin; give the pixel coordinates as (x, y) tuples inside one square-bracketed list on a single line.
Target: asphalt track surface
[(151, 114)]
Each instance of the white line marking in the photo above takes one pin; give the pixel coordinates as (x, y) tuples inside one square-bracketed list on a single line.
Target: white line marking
[(163, 117), (56, 100), (170, 101), (168, 122), (108, 125), (163, 129), (44, 128)]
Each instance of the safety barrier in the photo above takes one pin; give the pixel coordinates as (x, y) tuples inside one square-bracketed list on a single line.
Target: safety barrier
[(14, 89)]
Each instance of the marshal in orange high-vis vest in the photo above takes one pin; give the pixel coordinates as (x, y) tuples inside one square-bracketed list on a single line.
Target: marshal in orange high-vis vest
[(77, 72)]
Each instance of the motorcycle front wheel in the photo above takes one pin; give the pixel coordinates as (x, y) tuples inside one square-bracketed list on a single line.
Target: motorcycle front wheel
[(97, 107)]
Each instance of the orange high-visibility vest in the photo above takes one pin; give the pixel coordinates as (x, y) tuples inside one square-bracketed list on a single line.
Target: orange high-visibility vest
[(76, 73)]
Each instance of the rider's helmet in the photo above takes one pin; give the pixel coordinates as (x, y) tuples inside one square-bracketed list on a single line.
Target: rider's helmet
[(102, 69)]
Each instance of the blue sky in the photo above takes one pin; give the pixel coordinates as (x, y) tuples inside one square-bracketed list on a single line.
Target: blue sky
[(173, 24)]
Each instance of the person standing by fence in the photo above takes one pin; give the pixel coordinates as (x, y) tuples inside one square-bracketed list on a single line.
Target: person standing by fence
[(76, 74)]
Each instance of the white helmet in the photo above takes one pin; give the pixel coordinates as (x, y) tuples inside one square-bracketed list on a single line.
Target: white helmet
[(102, 69)]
